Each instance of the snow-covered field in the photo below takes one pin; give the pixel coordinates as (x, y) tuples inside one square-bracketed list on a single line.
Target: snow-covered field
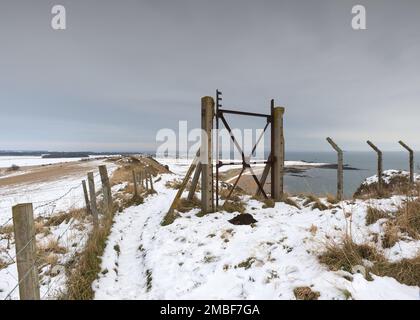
[(48, 199), (209, 258)]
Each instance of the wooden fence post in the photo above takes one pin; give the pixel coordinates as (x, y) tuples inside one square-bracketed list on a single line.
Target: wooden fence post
[(151, 181), (136, 192), (106, 189), (379, 172), (146, 180), (411, 159), (194, 182), (92, 193), (24, 229), (278, 154), (340, 177), (206, 154), (85, 192)]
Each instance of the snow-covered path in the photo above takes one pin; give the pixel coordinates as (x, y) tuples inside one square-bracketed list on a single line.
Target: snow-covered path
[(124, 275)]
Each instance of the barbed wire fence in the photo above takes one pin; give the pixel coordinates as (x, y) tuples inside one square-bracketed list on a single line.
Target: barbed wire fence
[(28, 258)]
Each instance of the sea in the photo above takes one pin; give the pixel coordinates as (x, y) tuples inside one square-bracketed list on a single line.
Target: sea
[(323, 181)]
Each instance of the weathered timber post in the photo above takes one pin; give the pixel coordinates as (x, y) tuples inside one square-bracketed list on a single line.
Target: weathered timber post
[(106, 189), (92, 193), (194, 182), (170, 217), (151, 181), (24, 229), (136, 192), (264, 176), (146, 180), (206, 154), (278, 154), (379, 172), (411, 159), (340, 177), (85, 192)]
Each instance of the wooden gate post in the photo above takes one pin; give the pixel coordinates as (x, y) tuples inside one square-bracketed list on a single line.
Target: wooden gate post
[(206, 154), (411, 159), (379, 172), (24, 229), (85, 192), (340, 177), (277, 154), (106, 189), (92, 193)]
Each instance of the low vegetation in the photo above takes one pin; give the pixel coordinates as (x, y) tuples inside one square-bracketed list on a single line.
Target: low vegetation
[(347, 255), (305, 293), (374, 214), (86, 267)]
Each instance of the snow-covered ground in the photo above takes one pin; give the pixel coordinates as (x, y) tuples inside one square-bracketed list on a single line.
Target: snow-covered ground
[(48, 199), (209, 258)]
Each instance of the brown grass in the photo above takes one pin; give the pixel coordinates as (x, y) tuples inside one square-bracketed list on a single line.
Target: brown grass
[(231, 206), (291, 202), (374, 214), (305, 293), (345, 255), (398, 185), (391, 235), (8, 229), (408, 218), (174, 184), (185, 205), (332, 199), (4, 264), (85, 270)]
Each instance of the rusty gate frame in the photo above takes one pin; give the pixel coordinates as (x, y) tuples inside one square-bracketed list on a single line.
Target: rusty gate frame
[(219, 114)]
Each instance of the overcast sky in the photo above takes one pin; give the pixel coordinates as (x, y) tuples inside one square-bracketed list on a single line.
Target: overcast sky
[(125, 69)]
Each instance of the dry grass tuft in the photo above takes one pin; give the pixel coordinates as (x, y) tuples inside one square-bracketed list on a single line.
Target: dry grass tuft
[(231, 206), (268, 203), (408, 218), (4, 264), (406, 271), (313, 229), (319, 205), (169, 218), (346, 255), (305, 293), (291, 202), (332, 199), (52, 246), (7, 230), (391, 235), (185, 205), (174, 184), (374, 214), (398, 185), (85, 270)]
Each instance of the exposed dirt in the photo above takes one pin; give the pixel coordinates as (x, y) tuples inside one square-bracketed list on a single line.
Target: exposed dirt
[(45, 173), (243, 219)]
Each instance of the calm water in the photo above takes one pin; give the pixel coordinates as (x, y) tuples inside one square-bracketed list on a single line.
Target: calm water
[(321, 181)]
